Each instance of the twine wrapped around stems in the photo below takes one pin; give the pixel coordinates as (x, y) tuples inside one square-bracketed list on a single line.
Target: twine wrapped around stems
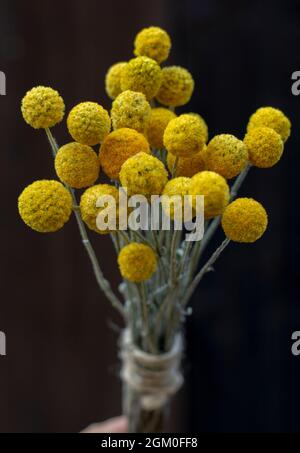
[(154, 377)]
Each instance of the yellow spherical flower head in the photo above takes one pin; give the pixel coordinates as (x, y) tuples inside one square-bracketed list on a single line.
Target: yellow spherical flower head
[(88, 205), (142, 74), (77, 165), (244, 220), (45, 206), (202, 123), (173, 198), (137, 262), (273, 118), (42, 107), (153, 42), (226, 155), (215, 190), (113, 80), (183, 136), (187, 166), (176, 88), (265, 146), (130, 109), (118, 147), (158, 121), (88, 123), (143, 174)]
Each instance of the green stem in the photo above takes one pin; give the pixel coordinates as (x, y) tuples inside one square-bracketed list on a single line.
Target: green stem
[(187, 249), (146, 335), (144, 240), (124, 236), (174, 169), (114, 238), (238, 182), (173, 260)]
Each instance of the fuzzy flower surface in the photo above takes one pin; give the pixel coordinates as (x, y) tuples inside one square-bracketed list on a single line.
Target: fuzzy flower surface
[(113, 79), (158, 121), (88, 205), (244, 220), (45, 206), (273, 118), (42, 107), (88, 123), (187, 166), (77, 165), (137, 262), (143, 174), (202, 123), (153, 42), (117, 147), (142, 74), (183, 136), (227, 155), (265, 146), (177, 86), (130, 109), (215, 190), (174, 191)]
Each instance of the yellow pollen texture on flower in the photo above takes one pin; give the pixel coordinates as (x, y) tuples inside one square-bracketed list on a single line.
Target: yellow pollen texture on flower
[(244, 220), (137, 262), (45, 206)]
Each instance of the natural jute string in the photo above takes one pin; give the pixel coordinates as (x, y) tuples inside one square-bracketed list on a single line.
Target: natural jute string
[(155, 377)]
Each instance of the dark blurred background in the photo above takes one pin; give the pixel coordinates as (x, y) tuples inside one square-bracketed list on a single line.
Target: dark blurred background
[(61, 368)]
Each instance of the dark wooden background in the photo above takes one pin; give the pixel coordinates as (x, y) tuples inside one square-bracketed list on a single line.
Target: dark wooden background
[(60, 372)]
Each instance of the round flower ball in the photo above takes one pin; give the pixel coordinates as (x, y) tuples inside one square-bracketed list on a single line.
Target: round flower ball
[(130, 109), (113, 79), (183, 136), (173, 198), (42, 107), (244, 220), (153, 42), (202, 124), (187, 166), (176, 88), (226, 155), (265, 146), (142, 74), (88, 123), (118, 147), (215, 190), (156, 125), (45, 206), (137, 262), (88, 205), (273, 118), (77, 165), (143, 174)]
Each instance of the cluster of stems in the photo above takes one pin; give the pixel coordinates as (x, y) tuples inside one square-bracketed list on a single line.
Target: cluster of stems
[(154, 310)]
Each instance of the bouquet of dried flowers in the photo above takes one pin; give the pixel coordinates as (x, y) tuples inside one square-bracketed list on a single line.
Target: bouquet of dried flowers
[(147, 151)]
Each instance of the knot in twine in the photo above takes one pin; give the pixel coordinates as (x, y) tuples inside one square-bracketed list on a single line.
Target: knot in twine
[(155, 377)]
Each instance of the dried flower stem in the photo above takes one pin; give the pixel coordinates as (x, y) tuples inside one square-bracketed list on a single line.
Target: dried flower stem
[(146, 335), (173, 260), (206, 268), (174, 169), (101, 280), (239, 181)]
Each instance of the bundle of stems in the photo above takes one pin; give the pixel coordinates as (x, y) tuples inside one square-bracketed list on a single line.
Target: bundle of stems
[(154, 311), (148, 151)]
